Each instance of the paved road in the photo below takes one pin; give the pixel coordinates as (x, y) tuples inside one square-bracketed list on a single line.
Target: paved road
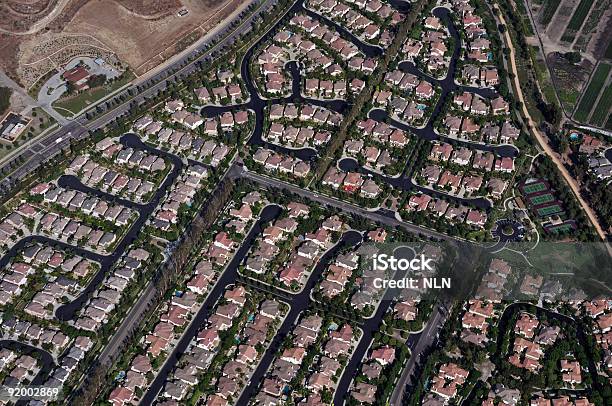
[(427, 132), (370, 326), (381, 216), (423, 342), (228, 277), (134, 316), (68, 311), (8, 82), (299, 302), (46, 359)]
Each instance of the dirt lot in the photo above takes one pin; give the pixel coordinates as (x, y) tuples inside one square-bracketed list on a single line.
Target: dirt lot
[(19, 15), (151, 7), (142, 33), (135, 39)]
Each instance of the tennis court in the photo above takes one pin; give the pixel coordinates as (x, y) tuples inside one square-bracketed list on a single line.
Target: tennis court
[(541, 199), (561, 227), (549, 210), (534, 187)]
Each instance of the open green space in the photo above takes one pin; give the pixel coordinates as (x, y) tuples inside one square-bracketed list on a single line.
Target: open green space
[(549, 210), (579, 15), (543, 75), (534, 187), (71, 105), (541, 199), (569, 98), (549, 11), (579, 261), (603, 107), (592, 91)]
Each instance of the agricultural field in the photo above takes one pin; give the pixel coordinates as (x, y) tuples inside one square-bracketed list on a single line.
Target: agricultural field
[(577, 20), (580, 14), (602, 109), (608, 54), (572, 25), (592, 91), (548, 11), (595, 35)]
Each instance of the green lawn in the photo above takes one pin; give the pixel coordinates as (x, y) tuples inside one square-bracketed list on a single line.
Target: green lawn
[(68, 106), (603, 107), (579, 259), (592, 91), (568, 257), (549, 11)]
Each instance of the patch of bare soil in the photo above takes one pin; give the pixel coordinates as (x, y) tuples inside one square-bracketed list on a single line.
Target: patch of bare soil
[(151, 7), (19, 15), (142, 33)]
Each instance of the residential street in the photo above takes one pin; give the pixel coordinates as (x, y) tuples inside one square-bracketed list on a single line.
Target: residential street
[(425, 340), (200, 217)]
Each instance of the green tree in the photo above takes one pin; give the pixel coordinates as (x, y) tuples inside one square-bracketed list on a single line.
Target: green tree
[(5, 95)]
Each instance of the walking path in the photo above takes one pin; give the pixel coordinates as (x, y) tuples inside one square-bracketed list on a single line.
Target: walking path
[(542, 139), (40, 24)]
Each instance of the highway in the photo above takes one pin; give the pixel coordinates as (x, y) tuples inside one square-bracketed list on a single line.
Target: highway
[(52, 144)]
